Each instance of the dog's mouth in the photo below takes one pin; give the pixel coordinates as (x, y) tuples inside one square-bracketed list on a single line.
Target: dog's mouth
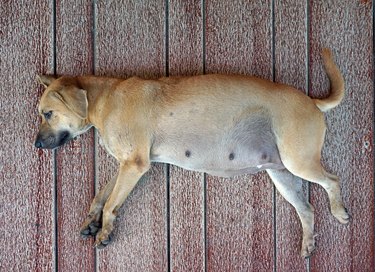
[(64, 137), (52, 141)]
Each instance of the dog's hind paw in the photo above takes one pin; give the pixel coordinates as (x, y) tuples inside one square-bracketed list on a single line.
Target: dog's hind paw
[(308, 247), (341, 215)]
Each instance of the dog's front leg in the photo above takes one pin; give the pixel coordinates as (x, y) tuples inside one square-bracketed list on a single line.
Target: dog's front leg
[(129, 173), (93, 222)]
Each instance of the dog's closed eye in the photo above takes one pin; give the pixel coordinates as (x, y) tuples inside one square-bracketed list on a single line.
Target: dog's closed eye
[(47, 115)]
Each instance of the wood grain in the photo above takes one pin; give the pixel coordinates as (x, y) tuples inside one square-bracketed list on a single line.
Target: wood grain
[(240, 210), (239, 38), (125, 38), (187, 245), (290, 68), (187, 252), (185, 37), (346, 27), (130, 40), (26, 174), (75, 160)]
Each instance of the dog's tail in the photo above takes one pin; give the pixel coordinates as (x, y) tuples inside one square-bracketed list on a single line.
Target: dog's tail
[(337, 83)]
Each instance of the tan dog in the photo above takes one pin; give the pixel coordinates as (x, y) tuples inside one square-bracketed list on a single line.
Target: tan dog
[(219, 124)]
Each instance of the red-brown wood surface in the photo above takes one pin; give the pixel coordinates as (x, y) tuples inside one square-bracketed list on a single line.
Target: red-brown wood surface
[(290, 36), (187, 232), (348, 147), (26, 174), (75, 161), (130, 40), (239, 211), (214, 224), (185, 41)]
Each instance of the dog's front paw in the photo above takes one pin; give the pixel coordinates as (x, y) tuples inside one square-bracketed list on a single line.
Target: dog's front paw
[(103, 238), (91, 226), (90, 229)]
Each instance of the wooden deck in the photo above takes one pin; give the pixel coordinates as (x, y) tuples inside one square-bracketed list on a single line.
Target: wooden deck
[(176, 220)]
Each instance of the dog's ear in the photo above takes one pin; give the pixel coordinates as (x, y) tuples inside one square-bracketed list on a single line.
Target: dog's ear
[(75, 100), (45, 80)]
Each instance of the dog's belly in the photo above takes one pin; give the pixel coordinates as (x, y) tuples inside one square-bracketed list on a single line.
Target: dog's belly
[(245, 147), (219, 161)]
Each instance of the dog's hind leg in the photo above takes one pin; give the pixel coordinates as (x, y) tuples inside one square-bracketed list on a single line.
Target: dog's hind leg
[(302, 159), (300, 146), (314, 172), (290, 187), (93, 222)]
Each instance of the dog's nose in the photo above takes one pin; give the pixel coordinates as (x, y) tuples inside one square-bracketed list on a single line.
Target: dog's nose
[(38, 143)]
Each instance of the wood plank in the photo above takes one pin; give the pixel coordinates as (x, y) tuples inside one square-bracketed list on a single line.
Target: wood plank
[(239, 210), (290, 68), (185, 37), (239, 38), (130, 41), (75, 160), (130, 38), (187, 244), (346, 27), (26, 174)]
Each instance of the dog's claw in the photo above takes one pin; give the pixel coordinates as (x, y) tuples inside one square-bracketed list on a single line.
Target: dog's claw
[(85, 233), (106, 242), (100, 246)]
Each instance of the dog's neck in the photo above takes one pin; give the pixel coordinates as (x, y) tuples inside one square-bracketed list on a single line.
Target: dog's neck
[(96, 87)]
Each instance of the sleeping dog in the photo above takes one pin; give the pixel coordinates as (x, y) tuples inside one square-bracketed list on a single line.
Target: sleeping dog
[(224, 125)]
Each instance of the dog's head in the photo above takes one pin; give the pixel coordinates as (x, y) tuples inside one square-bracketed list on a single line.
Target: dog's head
[(64, 109)]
